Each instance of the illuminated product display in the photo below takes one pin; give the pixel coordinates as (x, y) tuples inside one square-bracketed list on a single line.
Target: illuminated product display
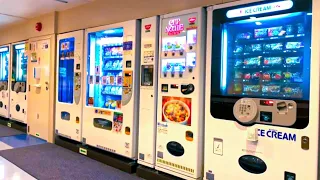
[(148, 91), (179, 144), (69, 90), (4, 80), (110, 111), (263, 82), (18, 96)]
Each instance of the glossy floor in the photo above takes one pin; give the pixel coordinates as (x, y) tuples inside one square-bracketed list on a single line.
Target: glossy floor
[(9, 171)]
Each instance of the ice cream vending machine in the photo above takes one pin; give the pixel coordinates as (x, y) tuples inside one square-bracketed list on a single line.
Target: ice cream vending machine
[(179, 147), (4, 80), (148, 91), (18, 89), (111, 91), (262, 97), (68, 87)]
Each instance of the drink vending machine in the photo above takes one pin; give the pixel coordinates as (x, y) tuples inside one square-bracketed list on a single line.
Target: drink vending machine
[(180, 121), (148, 91), (69, 79), (18, 89), (4, 80), (111, 94), (262, 105)]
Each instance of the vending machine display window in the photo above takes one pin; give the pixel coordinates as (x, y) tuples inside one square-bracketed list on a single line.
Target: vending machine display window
[(263, 54), (4, 63), (19, 68), (104, 69), (147, 75), (66, 70)]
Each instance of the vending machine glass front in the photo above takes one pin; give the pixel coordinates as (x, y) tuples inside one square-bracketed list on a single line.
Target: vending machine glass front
[(4, 65), (19, 68), (104, 69), (267, 57), (66, 70)]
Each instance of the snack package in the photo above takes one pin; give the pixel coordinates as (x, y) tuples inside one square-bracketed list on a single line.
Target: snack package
[(273, 47), (293, 60), (289, 30), (292, 90), (252, 61), (294, 45), (238, 75), (300, 28), (276, 75), (276, 31), (247, 76), (266, 76), (238, 62), (237, 87), (251, 88), (253, 48), (256, 76), (272, 61), (238, 49), (260, 33), (270, 89), (246, 35)]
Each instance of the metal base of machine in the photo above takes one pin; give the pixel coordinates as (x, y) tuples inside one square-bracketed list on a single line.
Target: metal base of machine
[(149, 173), (116, 161), (13, 124)]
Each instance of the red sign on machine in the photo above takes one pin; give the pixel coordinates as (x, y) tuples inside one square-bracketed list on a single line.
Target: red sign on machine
[(147, 27), (174, 27)]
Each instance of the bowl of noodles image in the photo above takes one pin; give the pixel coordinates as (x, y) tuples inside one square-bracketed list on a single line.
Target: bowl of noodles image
[(176, 111)]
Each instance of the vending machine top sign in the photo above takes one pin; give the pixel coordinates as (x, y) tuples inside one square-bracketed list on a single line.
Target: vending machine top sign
[(260, 9)]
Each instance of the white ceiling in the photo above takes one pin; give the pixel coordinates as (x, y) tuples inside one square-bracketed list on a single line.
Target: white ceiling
[(15, 11)]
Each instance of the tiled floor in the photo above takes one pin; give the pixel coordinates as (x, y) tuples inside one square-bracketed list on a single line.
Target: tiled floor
[(9, 171)]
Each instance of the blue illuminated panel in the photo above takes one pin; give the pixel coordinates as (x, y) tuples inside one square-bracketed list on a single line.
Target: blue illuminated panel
[(66, 70), (19, 66), (104, 69), (267, 57), (4, 63)]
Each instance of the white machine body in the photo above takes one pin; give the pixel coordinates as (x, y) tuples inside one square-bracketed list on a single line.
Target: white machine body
[(5, 59), (262, 133), (180, 121), (148, 91), (111, 91), (19, 83), (69, 85)]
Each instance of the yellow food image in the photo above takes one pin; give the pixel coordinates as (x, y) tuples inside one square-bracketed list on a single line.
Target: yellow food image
[(176, 111)]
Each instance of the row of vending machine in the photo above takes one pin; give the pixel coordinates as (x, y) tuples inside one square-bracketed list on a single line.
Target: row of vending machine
[(13, 82), (224, 92)]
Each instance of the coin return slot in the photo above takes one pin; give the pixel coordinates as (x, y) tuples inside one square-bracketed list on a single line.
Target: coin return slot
[(282, 107)]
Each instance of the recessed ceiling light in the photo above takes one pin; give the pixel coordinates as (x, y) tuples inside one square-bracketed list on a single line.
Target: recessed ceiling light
[(62, 1)]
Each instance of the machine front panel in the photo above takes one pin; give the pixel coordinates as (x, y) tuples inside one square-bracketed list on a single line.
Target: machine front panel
[(148, 91), (109, 114), (69, 77), (18, 102), (4, 80), (257, 120), (180, 93)]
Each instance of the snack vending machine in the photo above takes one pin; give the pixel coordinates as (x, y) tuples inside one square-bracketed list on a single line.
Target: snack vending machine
[(4, 80), (179, 147), (111, 94), (18, 94), (148, 91), (69, 78), (262, 105)]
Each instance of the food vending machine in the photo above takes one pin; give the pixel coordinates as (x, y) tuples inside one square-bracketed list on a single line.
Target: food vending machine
[(262, 98), (148, 91), (4, 80), (180, 121), (111, 94), (69, 78), (18, 95)]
